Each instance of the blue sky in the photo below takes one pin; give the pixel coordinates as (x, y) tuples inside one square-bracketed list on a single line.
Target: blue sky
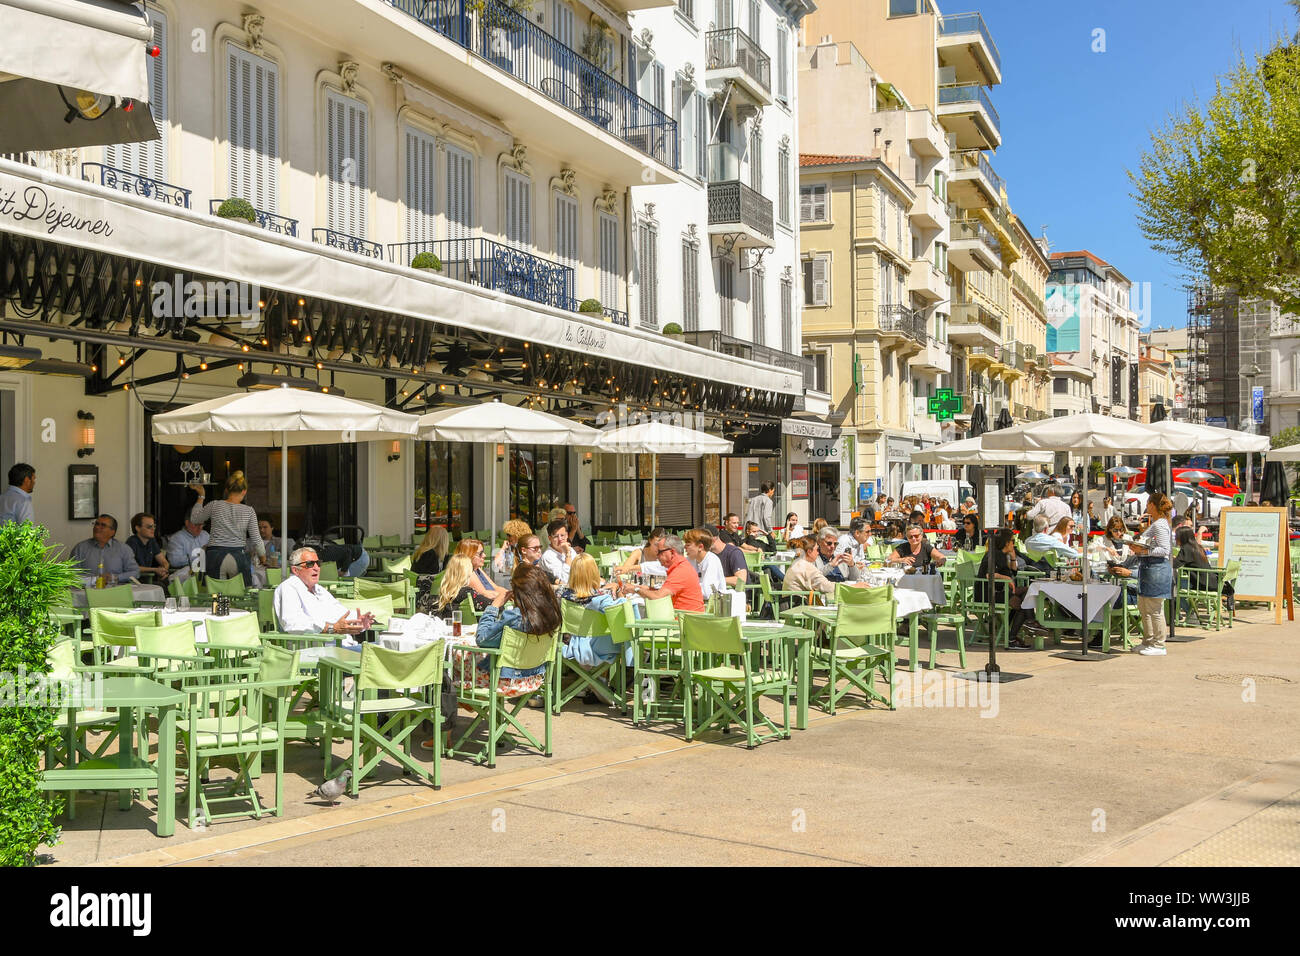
[(1074, 120)]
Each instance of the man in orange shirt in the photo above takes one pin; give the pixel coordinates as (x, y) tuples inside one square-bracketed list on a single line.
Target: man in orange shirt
[(682, 583)]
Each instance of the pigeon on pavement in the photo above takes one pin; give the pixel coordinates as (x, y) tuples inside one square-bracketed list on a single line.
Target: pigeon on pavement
[(331, 790)]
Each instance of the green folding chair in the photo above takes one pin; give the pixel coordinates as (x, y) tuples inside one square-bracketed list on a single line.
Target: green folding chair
[(168, 648), (188, 588), (390, 540), (490, 704), (732, 678), (847, 594), (381, 727), (69, 743), (274, 576), (329, 571), (660, 609), (1202, 590), (397, 590), (979, 610), (371, 542), (854, 651), (112, 633), (231, 587), (581, 622), (468, 614), (234, 640), (119, 597), (398, 566), (381, 607)]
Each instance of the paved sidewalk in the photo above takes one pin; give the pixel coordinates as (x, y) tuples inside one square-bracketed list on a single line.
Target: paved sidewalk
[(1127, 760)]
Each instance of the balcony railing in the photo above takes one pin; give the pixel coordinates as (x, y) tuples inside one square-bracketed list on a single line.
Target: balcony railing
[(974, 229), (265, 220), (976, 159), (1024, 289), (135, 184), (972, 313), (515, 44), (971, 93), (615, 316), (496, 266), (959, 23), (341, 240), (739, 348), (901, 319), (733, 47), (734, 202)]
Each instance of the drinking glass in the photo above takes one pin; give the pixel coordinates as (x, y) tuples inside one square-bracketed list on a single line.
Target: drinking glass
[(184, 602), (455, 623), (169, 604)]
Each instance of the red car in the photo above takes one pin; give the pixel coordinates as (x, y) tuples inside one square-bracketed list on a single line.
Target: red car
[(1221, 484)]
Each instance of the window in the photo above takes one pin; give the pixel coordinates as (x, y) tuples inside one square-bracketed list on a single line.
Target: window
[(609, 272), (787, 316), (442, 485), (149, 158), (941, 257), (1061, 386), (562, 22), (421, 184), (253, 132), (722, 15), (755, 11), (884, 216), (758, 305), (701, 136), (812, 203), (756, 161), (886, 281), (817, 280), (903, 8), (657, 92), (727, 295), (687, 7), (782, 63), (783, 192), (819, 377), (567, 248), (690, 286), (460, 190), (648, 274), (348, 163), (518, 209), (539, 481)]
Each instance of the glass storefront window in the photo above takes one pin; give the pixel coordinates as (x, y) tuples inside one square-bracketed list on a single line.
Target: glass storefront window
[(442, 485), (539, 482)]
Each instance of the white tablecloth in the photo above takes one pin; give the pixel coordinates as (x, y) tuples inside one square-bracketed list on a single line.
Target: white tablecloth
[(909, 602), (1070, 596), (931, 585), (141, 593), (199, 618)]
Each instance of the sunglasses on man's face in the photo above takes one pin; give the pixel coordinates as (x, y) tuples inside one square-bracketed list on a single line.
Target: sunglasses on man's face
[(307, 564)]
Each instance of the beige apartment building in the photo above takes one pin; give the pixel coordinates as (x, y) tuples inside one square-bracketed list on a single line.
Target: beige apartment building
[(1156, 381), (1031, 373)]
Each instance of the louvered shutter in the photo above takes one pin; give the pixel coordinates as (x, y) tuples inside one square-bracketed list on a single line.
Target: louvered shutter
[(460, 185), (782, 63), (648, 277), (421, 183), (758, 305), (562, 22), (149, 158), (608, 261), (756, 161), (722, 14), (820, 281), (690, 287), (701, 137), (518, 209), (658, 89), (348, 184), (754, 23), (253, 128), (686, 125), (566, 229)]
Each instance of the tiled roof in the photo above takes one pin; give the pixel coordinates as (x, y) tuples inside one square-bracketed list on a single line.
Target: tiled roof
[(823, 159)]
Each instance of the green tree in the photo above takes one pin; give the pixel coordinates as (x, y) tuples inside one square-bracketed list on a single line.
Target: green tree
[(30, 583), (1219, 189)]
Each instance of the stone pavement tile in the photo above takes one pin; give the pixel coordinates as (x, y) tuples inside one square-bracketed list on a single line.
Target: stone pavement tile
[(1270, 837)]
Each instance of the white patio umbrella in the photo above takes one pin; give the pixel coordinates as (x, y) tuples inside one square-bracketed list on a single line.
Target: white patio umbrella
[(1206, 439), (1285, 453), (660, 438), (495, 421), (281, 418), (971, 451), (1090, 434)]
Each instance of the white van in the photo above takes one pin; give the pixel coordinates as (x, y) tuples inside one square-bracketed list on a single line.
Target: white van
[(955, 491)]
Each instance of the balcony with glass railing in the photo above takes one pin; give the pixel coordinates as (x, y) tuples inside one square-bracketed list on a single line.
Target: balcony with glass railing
[(731, 55), (965, 44), (973, 247), (973, 184), (973, 325), (515, 44), (135, 184), (966, 111)]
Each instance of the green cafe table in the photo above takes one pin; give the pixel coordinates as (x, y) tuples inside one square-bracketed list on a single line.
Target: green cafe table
[(753, 632), (127, 771), (910, 605)]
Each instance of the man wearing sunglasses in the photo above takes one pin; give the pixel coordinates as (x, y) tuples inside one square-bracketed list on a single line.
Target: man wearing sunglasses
[(102, 554), (302, 606)]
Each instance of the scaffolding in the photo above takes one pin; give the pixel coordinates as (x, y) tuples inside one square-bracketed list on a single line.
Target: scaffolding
[(1226, 337)]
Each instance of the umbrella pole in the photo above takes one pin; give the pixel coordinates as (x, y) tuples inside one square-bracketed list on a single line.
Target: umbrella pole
[(1250, 479), (492, 465), (654, 498), (284, 504), (1084, 567)]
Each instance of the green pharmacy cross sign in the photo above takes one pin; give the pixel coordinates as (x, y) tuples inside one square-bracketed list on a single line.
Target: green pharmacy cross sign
[(943, 405)]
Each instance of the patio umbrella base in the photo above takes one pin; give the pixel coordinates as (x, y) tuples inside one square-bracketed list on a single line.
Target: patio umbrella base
[(1184, 638), (1086, 655), (1003, 677)]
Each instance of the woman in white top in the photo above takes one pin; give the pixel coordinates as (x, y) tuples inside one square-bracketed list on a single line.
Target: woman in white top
[(793, 529), (233, 532), (943, 517)]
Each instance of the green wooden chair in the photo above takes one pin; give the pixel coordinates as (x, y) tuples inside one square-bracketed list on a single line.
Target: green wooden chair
[(580, 622), (1201, 589), (468, 615), (329, 571), (234, 641), (266, 610), (371, 542), (847, 594), (490, 704), (226, 718), (71, 735), (397, 566), (231, 587), (397, 590), (660, 609), (854, 650), (732, 678), (188, 588), (390, 540), (168, 648), (381, 607), (115, 597), (274, 576), (113, 632), (979, 610), (381, 728)]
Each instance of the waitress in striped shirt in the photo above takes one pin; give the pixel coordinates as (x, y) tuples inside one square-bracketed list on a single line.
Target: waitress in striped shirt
[(1155, 574), (233, 530)]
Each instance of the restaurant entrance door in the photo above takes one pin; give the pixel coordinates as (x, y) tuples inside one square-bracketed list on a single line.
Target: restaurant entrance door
[(824, 492)]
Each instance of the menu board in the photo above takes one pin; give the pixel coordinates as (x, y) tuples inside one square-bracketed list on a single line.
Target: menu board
[(1257, 537)]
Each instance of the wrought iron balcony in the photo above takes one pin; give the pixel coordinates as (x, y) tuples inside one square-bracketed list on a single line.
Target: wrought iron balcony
[(496, 266), (734, 204), (265, 220), (960, 23), (341, 240), (615, 316), (135, 184), (733, 48), (905, 321), (740, 348), (512, 42)]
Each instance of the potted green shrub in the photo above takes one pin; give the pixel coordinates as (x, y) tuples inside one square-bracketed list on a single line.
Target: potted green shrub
[(31, 582), (591, 306), (240, 209), (427, 260), (673, 330)]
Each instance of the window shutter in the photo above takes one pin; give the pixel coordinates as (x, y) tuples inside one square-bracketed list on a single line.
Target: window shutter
[(566, 229), (562, 22), (820, 281), (348, 185), (758, 305), (460, 184), (754, 22), (253, 128), (701, 137), (722, 14), (782, 63), (149, 159), (787, 316), (690, 287), (518, 218), (756, 161), (421, 183), (726, 294), (608, 261), (658, 91), (783, 191)]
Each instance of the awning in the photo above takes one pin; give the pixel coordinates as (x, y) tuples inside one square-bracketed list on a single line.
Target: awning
[(53, 50), (54, 208), (805, 429)]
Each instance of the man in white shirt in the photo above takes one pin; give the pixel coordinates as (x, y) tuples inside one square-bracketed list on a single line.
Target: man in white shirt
[(302, 606), (16, 502), (185, 550), (559, 556), (698, 543), (761, 509), (858, 537), (1052, 506)]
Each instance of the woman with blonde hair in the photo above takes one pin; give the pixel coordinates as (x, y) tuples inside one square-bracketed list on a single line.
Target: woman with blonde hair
[(479, 583), (233, 533), (503, 562), (456, 587), (1155, 573), (430, 556), (584, 589), (818, 526)]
